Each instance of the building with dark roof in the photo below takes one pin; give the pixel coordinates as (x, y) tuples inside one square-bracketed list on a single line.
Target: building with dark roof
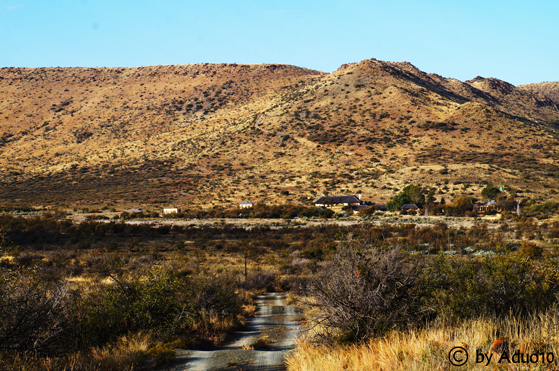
[(482, 207), (381, 207), (333, 201), (409, 207)]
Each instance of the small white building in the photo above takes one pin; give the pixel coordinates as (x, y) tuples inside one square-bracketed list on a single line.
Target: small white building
[(171, 210), (246, 205)]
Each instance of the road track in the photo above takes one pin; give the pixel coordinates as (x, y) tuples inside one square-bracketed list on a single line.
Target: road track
[(273, 318)]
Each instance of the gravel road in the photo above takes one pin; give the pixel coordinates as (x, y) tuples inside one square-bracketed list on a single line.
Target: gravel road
[(274, 320)]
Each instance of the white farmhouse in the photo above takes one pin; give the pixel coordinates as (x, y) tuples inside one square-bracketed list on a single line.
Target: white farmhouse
[(171, 210)]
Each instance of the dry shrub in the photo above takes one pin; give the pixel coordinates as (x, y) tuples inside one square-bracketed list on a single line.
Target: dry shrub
[(262, 343), (360, 294), (249, 310), (531, 250), (35, 314), (26, 259), (259, 281), (294, 284)]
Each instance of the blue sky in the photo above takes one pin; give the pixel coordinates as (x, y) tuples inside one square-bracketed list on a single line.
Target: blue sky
[(516, 41)]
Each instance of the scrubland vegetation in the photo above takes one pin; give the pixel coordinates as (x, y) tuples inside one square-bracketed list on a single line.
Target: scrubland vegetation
[(384, 294), (112, 296)]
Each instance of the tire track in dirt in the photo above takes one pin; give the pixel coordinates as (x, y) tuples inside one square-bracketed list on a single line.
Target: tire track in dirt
[(273, 319)]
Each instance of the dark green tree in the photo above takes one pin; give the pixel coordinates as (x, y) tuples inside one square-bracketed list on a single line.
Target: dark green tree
[(490, 192), (411, 194), (398, 201), (416, 194)]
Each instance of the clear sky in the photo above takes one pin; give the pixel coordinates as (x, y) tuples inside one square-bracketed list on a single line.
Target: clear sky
[(516, 41)]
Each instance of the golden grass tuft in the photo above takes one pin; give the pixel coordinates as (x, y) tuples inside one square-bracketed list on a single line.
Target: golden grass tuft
[(123, 354), (428, 349)]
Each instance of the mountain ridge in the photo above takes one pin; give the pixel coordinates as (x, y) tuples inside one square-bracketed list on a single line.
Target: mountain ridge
[(211, 134)]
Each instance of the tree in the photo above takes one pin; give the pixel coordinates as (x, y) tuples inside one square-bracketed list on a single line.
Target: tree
[(464, 203), (490, 192), (398, 201), (411, 194), (416, 194)]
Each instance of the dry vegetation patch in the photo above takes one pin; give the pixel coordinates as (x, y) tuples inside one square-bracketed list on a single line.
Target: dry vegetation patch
[(428, 349)]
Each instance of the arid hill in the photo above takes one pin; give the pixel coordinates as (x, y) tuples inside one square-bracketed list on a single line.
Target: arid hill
[(549, 89), (217, 134)]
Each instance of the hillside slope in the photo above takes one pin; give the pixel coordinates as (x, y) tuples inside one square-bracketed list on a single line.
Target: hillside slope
[(549, 89), (215, 134)]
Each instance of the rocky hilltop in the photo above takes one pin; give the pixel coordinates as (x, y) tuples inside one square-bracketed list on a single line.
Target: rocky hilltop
[(215, 134)]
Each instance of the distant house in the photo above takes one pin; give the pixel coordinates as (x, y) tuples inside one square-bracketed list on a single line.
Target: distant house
[(381, 207), (171, 210), (134, 211), (409, 207), (246, 205), (338, 201), (483, 207)]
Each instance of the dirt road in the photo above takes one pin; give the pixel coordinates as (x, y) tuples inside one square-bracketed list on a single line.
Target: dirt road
[(261, 345)]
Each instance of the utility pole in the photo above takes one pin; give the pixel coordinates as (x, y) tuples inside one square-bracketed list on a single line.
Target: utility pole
[(246, 253)]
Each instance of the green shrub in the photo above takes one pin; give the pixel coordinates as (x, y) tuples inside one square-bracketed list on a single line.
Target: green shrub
[(157, 301), (463, 288)]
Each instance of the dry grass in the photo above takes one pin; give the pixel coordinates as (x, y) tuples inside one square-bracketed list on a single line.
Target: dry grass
[(123, 355), (428, 349)]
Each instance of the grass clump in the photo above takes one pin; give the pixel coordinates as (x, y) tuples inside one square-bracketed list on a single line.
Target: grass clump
[(428, 348)]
